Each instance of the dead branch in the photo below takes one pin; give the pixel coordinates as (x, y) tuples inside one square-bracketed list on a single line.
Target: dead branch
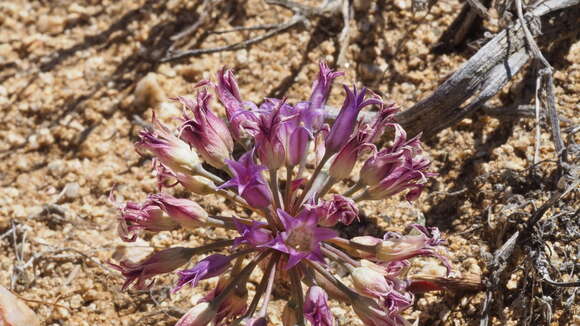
[(302, 14), (480, 78)]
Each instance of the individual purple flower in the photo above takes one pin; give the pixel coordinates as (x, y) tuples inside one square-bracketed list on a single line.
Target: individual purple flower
[(168, 149), (313, 116), (411, 174), (384, 118), (160, 262), (211, 266), (206, 132), (243, 123), (316, 308), (148, 216), (346, 158), (253, 235), (347, 119), (269, 142), (297, 145), (301, 238), (383, 163), (249, 181), (339, 209)]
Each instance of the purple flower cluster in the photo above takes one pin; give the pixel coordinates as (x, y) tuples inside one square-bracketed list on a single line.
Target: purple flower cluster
[(292, 157)]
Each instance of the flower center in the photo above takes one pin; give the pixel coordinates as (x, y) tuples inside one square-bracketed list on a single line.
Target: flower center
[(300, 239)]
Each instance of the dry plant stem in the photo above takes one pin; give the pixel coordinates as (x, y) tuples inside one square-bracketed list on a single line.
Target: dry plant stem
[(344, 38), (497, 266), (295, 20), (479, 8), (205, 8), (298, 295), (480, 77), (246, 28)]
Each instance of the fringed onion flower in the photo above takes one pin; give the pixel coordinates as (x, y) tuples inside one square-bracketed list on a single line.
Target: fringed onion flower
[(294, 200)]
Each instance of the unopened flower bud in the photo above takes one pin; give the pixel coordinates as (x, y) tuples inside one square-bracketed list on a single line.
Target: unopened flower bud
[(148, 216), (160, 262), (370, 282), (184, 211), (209, 267), (339, 209), (297, 146), (197, 184), (168, 149), (400, 248), (206, 132), (200, 315), (346, 119), (243, 123), (346, 158), (372, 314)]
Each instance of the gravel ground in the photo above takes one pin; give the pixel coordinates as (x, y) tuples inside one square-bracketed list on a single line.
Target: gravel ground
[(78, 77)]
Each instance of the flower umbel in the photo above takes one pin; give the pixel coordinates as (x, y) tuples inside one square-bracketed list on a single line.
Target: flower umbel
[(287, 183)]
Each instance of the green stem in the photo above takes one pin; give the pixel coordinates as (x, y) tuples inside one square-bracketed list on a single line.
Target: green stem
[(350, 293), (313, 177), (353, 190), (327, 186), (199, 170), (288, 187), (262, 286), (275, 188), (212, 246), (339, 256), (272, 276)]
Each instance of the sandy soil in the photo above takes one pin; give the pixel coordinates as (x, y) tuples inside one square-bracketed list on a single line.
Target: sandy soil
[(68, 103)]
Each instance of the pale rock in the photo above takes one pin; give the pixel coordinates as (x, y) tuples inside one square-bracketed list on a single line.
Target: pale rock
[(72, 190), (133, 252), (402, 4), (14, 312), (148, 92), (50, 24), (57, 168)]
